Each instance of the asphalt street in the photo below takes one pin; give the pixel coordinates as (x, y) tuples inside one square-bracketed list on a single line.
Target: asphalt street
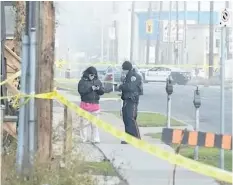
[(155, 100)]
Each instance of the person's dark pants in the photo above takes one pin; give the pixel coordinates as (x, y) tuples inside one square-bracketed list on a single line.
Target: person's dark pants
[(129, 114)]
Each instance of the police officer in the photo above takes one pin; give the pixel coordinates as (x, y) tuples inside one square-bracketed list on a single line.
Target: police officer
[(131, 89)]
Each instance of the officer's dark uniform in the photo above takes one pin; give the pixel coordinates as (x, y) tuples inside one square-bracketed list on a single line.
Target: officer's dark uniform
[(130, 96)]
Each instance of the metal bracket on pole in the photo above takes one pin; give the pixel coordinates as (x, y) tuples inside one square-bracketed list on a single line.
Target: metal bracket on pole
[(197, 104), (169, 90)]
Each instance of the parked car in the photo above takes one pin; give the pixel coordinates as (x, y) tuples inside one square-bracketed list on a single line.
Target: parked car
[(160, 74), (113, 77), (198, 73), (101, 71)]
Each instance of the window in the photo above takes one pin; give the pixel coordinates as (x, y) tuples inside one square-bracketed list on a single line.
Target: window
[(9, 20), (155, 69), (166, 69), (217, 44)]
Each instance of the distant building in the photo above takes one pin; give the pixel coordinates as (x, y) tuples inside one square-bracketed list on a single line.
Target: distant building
[(197, 32)]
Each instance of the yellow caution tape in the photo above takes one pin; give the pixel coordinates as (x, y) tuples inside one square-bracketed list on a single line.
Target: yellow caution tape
[(188, 66), (149, 148), (16, 75), (60, 63), (172, 158), (15, 101), (49, 95), (75, 80)]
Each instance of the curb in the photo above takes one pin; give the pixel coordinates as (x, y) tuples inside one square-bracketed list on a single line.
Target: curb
[(210, 86), (117, 171)]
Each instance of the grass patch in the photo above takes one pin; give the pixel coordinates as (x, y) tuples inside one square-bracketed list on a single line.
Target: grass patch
[(208, 156), (99, 168), (76, 171), (146, 119), (111, 95), (154, 135), (71, 86)]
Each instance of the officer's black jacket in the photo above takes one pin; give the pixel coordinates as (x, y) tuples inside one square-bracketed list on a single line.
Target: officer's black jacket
[(131, 89), (85, 89)]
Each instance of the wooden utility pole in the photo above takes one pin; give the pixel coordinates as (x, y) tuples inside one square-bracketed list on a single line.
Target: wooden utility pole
[(67, 124), (157, 48), (169, 57), (45, 78), (115, 26), (132, 32), (116, 41), (185, 58), (177, 34), (211, 40), (148, 35), (68, 133)]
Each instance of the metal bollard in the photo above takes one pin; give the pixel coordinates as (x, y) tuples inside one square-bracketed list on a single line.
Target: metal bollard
[(197, 104), (169, 90)]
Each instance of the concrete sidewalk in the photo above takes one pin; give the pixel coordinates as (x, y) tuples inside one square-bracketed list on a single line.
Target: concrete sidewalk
[(140, 168), (85, 151)]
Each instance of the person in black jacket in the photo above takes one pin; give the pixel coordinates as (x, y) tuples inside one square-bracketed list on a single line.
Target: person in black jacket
[(90, 89), (131, 90)]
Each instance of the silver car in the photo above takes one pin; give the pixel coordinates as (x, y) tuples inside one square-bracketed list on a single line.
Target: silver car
[(114, 76)]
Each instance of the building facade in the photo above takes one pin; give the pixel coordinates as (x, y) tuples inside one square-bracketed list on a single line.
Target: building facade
[(197, 32)]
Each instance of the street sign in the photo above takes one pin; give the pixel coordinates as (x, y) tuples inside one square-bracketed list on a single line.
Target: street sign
[(149, 26), (225, 18)]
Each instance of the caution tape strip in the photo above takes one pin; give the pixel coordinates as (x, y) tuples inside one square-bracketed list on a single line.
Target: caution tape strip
[(49, 95), (172, 158), (205, 66), (16, 75), (76, 80), (149, 148)]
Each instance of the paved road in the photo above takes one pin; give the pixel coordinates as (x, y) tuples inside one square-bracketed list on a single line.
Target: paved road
[(154, 99)]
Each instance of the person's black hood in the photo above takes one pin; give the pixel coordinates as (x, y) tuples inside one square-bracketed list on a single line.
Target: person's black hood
[(90, 70)]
